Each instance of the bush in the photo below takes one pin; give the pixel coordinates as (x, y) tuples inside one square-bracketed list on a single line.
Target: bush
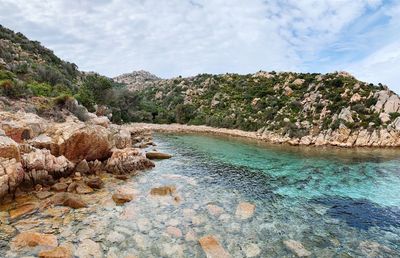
[(13, 89), (6, 75), (86, 98), (40, 89), (394, 115)]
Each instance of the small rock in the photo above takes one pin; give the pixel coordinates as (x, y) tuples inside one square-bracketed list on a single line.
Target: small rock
[(191, 235), (82, 188), (212, 247), (58, 252), (95, 183), (163, 190), (82, 167), (32, 239), (59, 187), (245, 210), (157, 155), (297, 248), (144, 224), (214, 210), (43, 195), (27, 208), (89, 249), (69, 200), (121, 177), (120, 198), (174, 231), (252, 250)]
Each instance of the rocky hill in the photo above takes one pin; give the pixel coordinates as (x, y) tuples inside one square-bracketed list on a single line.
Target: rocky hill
[(299, 108), (137, 80)]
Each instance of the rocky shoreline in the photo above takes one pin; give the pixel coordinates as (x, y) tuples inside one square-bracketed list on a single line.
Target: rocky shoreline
[(342, 137)]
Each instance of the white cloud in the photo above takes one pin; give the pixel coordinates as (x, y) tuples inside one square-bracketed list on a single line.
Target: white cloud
[(176, 37)]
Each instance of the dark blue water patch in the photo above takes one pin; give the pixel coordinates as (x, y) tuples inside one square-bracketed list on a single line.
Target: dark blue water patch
[(361, 213)]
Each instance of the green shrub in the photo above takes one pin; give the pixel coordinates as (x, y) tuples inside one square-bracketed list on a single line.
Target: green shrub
[(394, 115), (13, 89), (40, 89)]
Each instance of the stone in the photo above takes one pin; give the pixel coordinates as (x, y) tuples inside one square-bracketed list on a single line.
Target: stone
[(392, 104), (163, 190), (174, 231), (32, 239), (43, 194), (127, 161), (122, 139), (297, 248), (144, 224), (212, 248), (157, 155), (374, 249), (69, 200), (58, 252), (245, 210), (59, 187), (214, 209), (82, 188), (345, 114), (100, 120), (251, 250), (9, 149), (120, 198), (385, 117), (11, 175), (355, 98), (121, 177), (82, 167), (20, 211), (89, 249), (77, 141), (41, 142), (95, 183), (43, 160), (191, 235)]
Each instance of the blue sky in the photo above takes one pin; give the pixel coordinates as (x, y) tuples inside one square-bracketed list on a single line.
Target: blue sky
[(187, 37)]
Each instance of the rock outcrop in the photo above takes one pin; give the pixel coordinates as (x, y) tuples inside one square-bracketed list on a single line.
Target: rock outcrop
[(127, 161), (11, 175)]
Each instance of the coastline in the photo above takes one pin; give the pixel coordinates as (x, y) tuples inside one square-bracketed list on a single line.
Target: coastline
[(341, 138)]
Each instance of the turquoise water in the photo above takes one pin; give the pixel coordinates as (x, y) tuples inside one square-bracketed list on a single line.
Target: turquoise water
[(318, 196)]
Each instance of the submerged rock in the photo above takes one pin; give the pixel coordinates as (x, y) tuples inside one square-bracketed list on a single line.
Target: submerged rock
[(251, 250), (163, 190), (120, 198), (297, 248), (27, 208), (212, 247), (89, 249), (69, 200), (58, 252), (32, 239), (245, 210), (157, 155)]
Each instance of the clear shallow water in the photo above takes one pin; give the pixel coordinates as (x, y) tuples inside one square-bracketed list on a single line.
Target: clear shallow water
[(336, 202)]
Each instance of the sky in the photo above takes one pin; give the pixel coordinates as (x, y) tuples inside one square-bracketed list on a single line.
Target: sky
[(186, 37)]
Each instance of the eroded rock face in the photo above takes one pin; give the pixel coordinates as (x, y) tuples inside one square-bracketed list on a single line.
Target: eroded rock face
[(43, 160), (11, 175), (77, 141), (9, 148), (127, 161)]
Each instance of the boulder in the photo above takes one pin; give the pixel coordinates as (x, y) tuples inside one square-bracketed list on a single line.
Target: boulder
[(127, 161), (212, 248), (22, 126), (345, 114), (157, 155), (297, 248), (42, 159), (33, 239), (11, 175), (59, 187), (385, 117), (9, 148), (99, 120), (392, 104), (77, 141)]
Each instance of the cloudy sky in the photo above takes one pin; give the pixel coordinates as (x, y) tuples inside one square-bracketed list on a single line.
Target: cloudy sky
[(186, 37)]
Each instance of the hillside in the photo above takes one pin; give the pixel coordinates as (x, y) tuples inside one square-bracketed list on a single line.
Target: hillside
[(137, 80), (333, 108)]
